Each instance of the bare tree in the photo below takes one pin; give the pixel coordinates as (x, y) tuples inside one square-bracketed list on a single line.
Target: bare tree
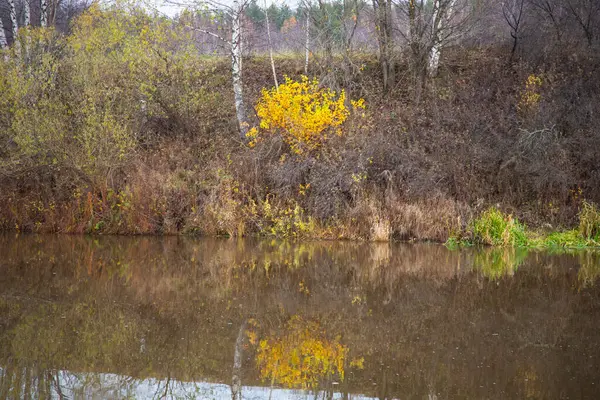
[(323, 25), (441, 29), (586, 13), (384, 31), (432, 26), (549, 10), (351, 18), (513, 12)]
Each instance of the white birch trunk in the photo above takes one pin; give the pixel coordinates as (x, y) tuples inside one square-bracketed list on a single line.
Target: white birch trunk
[(26, 13), (13, 19), (442, 14), (44, 13), (236, 67), (3, 41), (433, 61), (271, 47), (307, 46)]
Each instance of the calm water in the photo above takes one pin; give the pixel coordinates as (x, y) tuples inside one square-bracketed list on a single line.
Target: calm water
[(116, 317)]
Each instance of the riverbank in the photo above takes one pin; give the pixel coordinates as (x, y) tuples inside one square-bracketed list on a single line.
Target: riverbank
[(145, 142)]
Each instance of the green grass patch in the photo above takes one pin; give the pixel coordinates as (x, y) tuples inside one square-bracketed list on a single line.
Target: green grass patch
[(569, 239), (495, 228)]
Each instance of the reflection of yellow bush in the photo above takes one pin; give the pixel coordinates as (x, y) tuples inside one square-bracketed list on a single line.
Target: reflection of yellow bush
[(302, 358), (302, 113)]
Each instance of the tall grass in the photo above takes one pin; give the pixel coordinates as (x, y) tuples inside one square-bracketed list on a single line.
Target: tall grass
[(495, 228), (589, 221)]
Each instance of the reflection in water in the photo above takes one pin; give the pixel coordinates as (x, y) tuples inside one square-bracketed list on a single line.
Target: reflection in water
[(303, 357), (495, 263), (146, 317), (590, 268)]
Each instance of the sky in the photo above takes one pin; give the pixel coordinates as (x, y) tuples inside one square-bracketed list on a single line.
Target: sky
[(171, 10)]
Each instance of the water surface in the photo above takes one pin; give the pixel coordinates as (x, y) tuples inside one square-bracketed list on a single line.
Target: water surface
[(148, 317)]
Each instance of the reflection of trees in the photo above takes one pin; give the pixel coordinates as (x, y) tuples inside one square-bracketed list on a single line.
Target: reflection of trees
[(423, 317), (27, 382)]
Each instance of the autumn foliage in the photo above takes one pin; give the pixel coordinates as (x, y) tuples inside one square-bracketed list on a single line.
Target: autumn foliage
[(303, 357), (302, 112)]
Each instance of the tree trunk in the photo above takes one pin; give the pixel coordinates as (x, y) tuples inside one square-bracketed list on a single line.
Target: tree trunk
[(3, 41), (383, 21), (44, 13), (325, 30), (13, 19), (26, 13), (433, 61), (307, 45), (236, 67), (271, 47), (442, 14)]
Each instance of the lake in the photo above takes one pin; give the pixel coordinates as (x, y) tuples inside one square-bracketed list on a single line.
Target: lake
[(180, 317)]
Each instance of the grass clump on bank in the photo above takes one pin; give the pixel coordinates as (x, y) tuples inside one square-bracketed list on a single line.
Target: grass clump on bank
[(495, 228), (589, 221)]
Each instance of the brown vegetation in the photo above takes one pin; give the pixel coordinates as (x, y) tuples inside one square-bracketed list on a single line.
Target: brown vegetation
[(420, 161)]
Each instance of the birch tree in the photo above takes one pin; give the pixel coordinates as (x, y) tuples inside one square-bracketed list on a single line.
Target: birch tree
[(26, 13), (270, 46), (443, 14), (13, 19), (43, 13), (235, 12), (3, 41), (307, 7), (432, 25)]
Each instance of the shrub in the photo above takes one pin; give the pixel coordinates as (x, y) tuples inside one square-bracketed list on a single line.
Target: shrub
[(304, 114), (498, 229), (284, 221)]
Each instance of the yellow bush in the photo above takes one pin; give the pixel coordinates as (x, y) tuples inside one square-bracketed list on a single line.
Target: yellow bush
[(530, 97), (304, 114)]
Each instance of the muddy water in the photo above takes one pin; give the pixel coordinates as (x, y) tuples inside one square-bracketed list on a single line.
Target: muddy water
[(115, 317)]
